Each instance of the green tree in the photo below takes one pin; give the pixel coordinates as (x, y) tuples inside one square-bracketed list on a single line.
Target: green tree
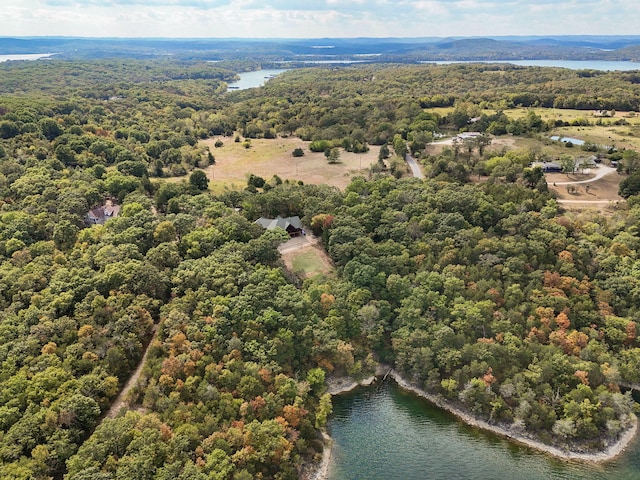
[(65, 154), (199, 180), (333, 155), (50, 128), (568, 163), (384, 153), (629, 186), (8, 129)]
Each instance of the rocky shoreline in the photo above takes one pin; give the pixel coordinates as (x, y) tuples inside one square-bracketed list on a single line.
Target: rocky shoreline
[(609, 453), (337, 386)]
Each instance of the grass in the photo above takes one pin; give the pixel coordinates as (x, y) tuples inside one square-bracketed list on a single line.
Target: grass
[(623, 136), (308, 264), (269, 157)]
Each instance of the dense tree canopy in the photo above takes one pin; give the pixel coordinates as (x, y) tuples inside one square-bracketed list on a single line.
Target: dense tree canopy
[(485, 294)]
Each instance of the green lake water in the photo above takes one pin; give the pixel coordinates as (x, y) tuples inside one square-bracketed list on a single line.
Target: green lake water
[(383, 433)]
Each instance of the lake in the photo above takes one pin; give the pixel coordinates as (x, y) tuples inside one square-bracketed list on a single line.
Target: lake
[(570, 64), (575, 141), (25, 56), (326, 62), (383, 432), (255, 79), (258, 77)]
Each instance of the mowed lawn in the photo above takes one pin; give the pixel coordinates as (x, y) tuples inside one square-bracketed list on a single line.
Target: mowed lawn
[(305, 257), (269, 157), (309, 264)]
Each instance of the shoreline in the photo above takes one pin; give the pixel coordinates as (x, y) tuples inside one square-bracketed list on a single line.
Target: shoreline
[(338, 386), (342, 385), (322, 469), (612, 450)]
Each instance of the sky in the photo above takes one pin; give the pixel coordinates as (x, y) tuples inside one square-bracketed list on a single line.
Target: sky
[(317, 18)]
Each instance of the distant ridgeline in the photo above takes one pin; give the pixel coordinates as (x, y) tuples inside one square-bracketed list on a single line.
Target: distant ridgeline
[(487, 294), (369, 49)]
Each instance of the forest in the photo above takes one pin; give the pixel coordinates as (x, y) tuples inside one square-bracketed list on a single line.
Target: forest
[(486, 293)]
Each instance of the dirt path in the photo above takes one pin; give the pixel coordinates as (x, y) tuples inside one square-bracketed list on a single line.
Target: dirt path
[(297, 243), (122, 400), (590, 202), (599, 191), (601, 172)]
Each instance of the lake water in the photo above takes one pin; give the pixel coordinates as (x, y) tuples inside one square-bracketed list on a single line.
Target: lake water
[(26, 56), (327, 62), (570, 64), (575, 141), (383, 432), (255, 79)]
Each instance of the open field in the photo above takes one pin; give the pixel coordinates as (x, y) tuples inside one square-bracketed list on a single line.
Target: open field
[(564, 114), (497, 143), (567, 114), (269, 157), (305, 258), (619, 136)]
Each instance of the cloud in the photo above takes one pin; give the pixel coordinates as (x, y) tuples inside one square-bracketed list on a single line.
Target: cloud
[(206, 4), (318, 18)]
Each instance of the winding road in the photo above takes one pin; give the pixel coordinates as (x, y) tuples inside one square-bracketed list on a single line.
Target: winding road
[(602, 171)]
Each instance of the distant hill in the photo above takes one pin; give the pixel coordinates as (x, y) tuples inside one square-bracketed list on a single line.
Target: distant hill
[(374, 49)]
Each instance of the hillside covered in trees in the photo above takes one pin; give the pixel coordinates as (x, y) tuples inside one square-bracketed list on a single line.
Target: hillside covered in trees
[(487, 294)]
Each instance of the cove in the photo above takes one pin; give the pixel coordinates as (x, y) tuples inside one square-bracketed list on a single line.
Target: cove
[(382, 432), (25, 56), (255, 79)]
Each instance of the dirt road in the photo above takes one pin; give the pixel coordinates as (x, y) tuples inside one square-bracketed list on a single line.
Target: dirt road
[(122, 400)]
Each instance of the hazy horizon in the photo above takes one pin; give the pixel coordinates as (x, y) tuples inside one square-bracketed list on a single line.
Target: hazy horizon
[(295, 19)]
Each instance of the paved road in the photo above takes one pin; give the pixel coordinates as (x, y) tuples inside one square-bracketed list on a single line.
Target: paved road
[(415, 168)]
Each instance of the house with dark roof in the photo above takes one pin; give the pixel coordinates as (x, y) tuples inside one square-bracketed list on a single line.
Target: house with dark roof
[(292, 225), (548, 167), (99, 215)]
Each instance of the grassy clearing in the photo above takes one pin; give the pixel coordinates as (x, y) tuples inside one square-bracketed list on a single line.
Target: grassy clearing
[(309, 264), (269, 157), (623, 136), (567, 114)]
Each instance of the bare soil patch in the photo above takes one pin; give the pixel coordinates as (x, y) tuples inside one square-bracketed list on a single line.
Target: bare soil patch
[(497, 143), (268, 157), (600, 195), (605, 188)]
